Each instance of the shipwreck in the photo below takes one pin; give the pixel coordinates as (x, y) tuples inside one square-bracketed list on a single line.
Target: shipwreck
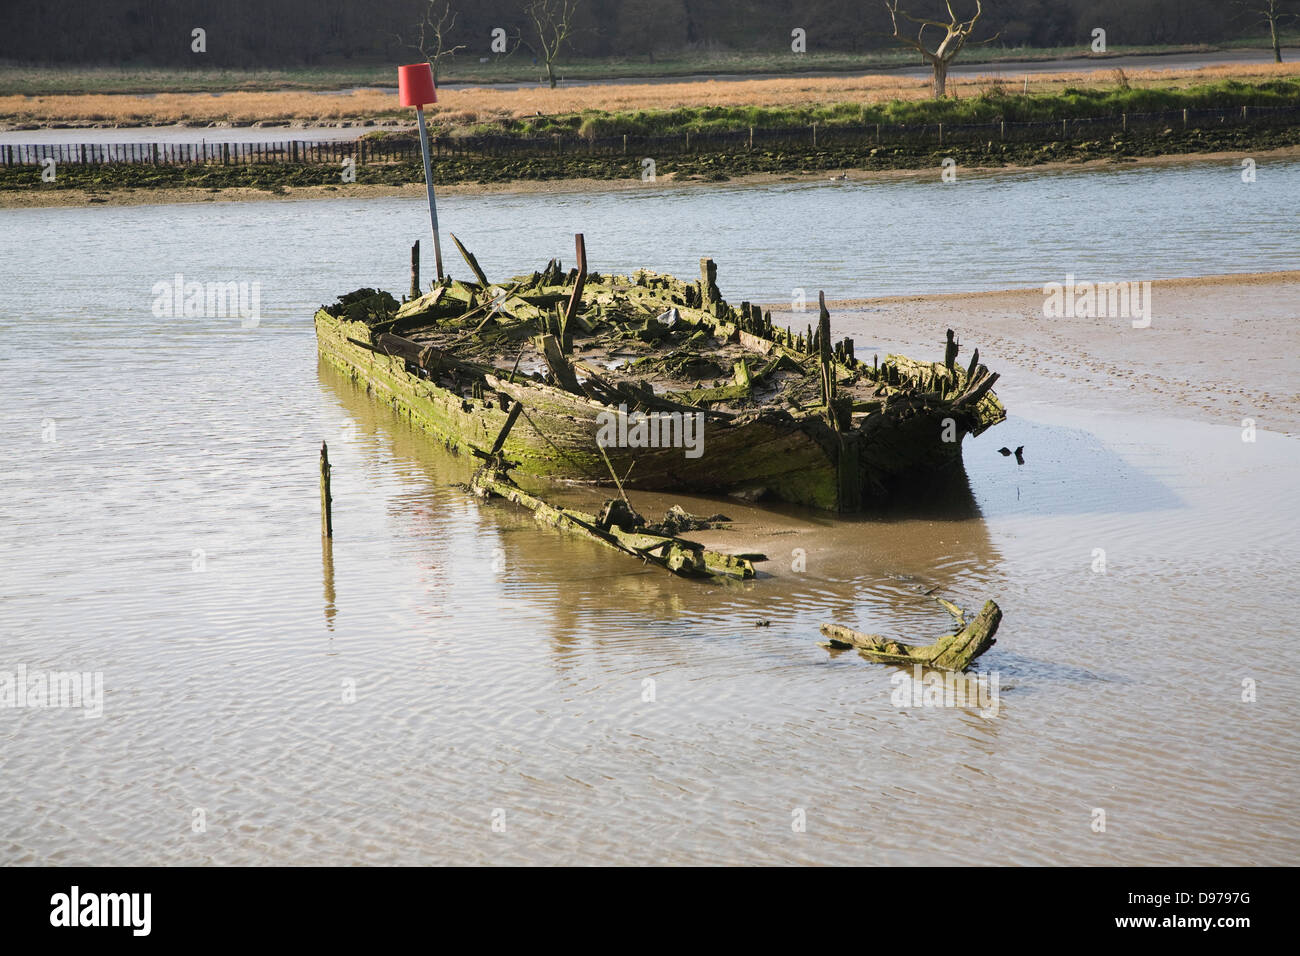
[(652, 382)]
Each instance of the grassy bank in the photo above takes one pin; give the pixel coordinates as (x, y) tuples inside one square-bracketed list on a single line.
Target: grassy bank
[(994, 102), (44, 80), (711, 167)]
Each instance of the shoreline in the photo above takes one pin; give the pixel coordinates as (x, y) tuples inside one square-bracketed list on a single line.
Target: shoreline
[(171, 195)]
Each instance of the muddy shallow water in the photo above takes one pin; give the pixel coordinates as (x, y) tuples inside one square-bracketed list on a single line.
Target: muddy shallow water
[(161, 526)]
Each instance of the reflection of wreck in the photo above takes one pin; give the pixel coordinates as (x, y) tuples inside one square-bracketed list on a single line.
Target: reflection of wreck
[(785, 413)]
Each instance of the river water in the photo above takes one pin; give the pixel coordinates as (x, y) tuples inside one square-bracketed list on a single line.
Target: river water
[(450, 683)]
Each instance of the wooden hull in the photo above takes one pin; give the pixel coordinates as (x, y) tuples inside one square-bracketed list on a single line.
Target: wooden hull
[(769, 453)]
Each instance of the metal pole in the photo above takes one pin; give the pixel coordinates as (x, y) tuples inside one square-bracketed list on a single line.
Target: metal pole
[(428, 182)]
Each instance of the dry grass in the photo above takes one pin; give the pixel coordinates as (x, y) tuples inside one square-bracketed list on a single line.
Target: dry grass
[(480, 105)]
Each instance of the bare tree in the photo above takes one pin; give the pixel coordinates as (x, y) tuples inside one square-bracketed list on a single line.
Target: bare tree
[(1272, 12), (552, 28), (433, 34), (956, 32)]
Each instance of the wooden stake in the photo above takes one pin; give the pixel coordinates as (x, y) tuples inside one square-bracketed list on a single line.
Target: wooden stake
[(824, 354), (415, 270), (326, 500), (580, 247)]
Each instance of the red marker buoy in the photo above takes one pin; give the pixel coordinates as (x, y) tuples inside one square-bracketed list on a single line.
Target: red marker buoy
[(415, 88)]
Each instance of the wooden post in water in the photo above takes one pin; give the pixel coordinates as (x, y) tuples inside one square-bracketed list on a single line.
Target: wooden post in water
[(824, 355), (326, 500), (415, 270)]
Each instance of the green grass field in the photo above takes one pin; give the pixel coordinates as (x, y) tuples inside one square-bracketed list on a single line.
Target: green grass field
[(994, 103), (36, 80)]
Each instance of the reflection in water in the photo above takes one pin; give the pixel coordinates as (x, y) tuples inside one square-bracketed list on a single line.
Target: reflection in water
[(327, 571), (863, 570)]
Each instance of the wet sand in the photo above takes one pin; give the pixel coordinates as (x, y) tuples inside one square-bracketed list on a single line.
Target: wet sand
[(38, 198), (1219, 349)]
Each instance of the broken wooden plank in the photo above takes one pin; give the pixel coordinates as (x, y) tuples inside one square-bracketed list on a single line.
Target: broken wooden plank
[(954, 652), (682, 557), (428, 357), (549, 346), (575, 300), (472, 262), (419, 304)]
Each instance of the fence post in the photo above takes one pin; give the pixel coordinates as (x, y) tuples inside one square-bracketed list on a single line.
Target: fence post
[(1002, 129), (1184, 119), (940, 134), (751, 137), (814, 135), (1243, 112), (625, 144), (1062, 129), (877, 134), (1124, 117)]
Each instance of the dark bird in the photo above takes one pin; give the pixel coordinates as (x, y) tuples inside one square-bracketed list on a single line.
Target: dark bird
[(1019, 453), (1004, 452)]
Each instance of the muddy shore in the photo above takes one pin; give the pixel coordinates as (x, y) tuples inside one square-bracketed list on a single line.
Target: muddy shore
[(42, 195)]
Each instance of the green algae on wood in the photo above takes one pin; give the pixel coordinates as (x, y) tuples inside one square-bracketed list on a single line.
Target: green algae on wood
[(678, 555), (954, 652)]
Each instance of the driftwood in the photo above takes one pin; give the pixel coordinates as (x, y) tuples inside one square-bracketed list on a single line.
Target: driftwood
[(954, 652)]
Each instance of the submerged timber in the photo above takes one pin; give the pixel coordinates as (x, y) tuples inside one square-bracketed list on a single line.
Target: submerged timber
[(651, 382), (955, 652)]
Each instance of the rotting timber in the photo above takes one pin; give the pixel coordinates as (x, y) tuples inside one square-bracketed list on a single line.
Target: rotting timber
[(786, 414), (954, 652)]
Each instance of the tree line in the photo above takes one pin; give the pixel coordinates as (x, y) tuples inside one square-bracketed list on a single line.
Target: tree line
[(271, 34)]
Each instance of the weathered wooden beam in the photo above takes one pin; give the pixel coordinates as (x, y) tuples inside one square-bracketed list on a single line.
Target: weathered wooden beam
[(677, 555), (954, 652), (326, 499), (415, 270), (575, 300), (472, 262), (428, 357), (549, 346), (824, 356)]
